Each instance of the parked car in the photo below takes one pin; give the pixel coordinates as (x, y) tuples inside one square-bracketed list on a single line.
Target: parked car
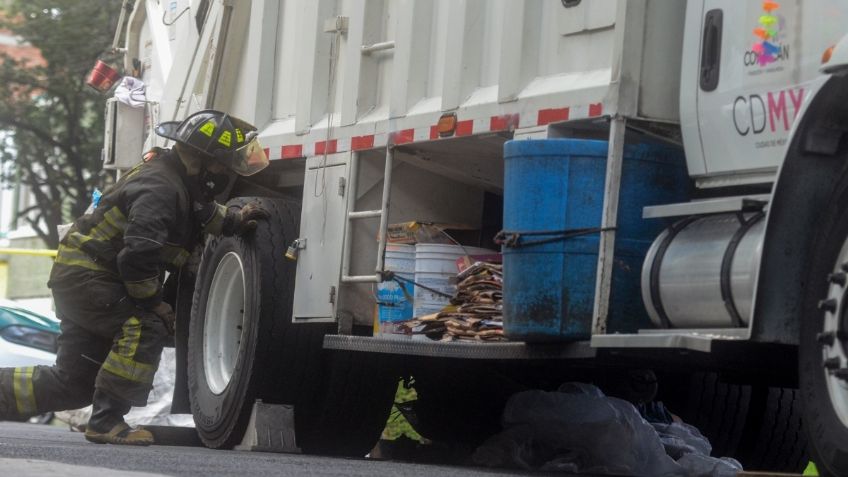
[(28, 338)]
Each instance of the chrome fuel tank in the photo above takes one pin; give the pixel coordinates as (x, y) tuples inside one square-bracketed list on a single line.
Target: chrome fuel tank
[(700, 272)]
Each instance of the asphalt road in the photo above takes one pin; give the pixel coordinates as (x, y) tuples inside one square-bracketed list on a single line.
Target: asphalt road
[(36, 450)]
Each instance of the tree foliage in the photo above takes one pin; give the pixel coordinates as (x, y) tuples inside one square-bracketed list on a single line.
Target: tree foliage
[(51, 121)]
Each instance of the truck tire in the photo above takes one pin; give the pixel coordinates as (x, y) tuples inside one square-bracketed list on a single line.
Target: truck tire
[(341, 401), (823, 349), (242, 345), (758, 425)]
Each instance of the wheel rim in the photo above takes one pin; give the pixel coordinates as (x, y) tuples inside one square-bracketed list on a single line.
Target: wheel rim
[(834, 336), (224, 322)]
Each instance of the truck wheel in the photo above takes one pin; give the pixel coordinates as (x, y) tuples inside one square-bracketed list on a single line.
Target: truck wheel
[(823, 353), (758, 425), (243, 346), (240, 337)]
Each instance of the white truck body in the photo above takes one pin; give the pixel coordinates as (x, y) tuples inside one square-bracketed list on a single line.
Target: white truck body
[(324, 80), (348, 96)]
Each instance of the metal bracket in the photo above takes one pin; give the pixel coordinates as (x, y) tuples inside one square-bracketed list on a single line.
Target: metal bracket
[(336, 25), (609, 219)]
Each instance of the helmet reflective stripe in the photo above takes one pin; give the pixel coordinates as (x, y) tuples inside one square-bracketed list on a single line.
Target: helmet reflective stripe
[(208, 128), (226, 139)]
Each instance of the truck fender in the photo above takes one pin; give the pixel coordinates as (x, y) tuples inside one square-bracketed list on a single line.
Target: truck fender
[(804, 183)]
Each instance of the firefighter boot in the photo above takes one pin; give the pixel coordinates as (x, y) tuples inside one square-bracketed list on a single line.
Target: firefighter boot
[(107, 425), (121, 434)]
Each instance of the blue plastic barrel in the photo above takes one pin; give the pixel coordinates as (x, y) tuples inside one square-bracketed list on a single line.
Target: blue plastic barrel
[(553, 201)]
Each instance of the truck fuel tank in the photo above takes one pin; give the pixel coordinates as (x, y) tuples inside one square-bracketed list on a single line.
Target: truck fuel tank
[(700, 272)]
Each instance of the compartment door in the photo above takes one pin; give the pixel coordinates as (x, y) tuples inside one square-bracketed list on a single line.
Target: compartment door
[(322, 225)]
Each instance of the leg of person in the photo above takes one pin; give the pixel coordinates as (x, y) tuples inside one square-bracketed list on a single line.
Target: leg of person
[(32, 390), (125, 380)]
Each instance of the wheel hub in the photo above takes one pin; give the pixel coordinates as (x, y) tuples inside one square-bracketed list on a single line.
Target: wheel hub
[(224, 322), (834, 335)]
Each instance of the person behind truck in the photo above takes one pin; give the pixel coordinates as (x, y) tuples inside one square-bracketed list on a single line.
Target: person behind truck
[(107, 280)]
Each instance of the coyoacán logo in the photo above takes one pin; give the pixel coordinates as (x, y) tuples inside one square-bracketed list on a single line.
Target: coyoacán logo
[(769, 47)]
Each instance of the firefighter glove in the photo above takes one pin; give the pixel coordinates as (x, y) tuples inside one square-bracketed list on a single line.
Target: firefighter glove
[(167, 315), (243, 221)]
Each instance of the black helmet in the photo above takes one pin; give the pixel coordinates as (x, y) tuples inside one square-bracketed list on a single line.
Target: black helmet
[(218, 135)]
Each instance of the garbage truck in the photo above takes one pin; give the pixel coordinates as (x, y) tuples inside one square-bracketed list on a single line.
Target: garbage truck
[(703, 237)]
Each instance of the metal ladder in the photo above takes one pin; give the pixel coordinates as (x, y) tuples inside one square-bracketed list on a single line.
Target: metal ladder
[(382, 213)]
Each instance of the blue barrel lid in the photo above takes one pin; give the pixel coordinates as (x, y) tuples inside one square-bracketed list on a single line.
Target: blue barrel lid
[(555, 147), (653, 152)]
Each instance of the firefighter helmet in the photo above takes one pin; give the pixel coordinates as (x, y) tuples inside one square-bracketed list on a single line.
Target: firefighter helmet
[(218, 135)]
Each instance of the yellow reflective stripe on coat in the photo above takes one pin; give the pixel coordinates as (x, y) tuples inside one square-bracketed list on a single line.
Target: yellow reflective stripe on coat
[(76, 240), (216, 223), (133, 171), (113, 224), (129, 369), (24, 393), (174, 255), (110, 226), (68, 255), (130, 337), (143, 288)]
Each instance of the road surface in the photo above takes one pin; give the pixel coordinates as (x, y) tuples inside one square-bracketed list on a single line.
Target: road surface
[(37, 450)]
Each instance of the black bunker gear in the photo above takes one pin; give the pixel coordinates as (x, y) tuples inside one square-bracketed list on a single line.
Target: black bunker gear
[(107, 284)]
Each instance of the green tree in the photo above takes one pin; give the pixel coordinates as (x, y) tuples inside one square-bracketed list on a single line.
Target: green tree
[(52, 122)]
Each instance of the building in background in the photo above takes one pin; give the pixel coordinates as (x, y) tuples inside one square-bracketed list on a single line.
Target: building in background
[(23, 278)]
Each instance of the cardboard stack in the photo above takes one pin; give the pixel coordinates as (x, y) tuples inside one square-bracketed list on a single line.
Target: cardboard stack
[(476, 311)]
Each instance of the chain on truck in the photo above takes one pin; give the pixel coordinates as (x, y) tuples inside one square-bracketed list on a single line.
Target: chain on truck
[(671, 176)]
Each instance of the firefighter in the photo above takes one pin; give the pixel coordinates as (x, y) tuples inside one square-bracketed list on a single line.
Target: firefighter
[(107, 280)]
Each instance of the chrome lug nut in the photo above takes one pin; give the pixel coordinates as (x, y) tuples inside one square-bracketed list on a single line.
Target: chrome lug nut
[(832, 363), (828, 305), (826, 338)]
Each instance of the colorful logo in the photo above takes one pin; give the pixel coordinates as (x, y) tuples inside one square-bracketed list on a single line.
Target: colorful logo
[(766, 47)]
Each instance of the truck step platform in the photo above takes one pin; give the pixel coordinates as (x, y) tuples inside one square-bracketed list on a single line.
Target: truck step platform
[(458, 349)]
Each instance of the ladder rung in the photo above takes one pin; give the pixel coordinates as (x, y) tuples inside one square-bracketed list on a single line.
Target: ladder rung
[(365, 214), (360, 279)]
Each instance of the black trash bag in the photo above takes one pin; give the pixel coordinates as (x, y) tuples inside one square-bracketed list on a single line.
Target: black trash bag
[(577, 429)]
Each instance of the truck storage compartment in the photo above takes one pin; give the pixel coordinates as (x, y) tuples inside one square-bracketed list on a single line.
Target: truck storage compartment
[(425, 199), (553, 199)]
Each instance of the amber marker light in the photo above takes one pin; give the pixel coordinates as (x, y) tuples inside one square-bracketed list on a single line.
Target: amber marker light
[(827, 54), (446, 125)]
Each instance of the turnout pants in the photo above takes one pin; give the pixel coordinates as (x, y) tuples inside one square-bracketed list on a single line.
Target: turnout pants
[(109, 351)]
